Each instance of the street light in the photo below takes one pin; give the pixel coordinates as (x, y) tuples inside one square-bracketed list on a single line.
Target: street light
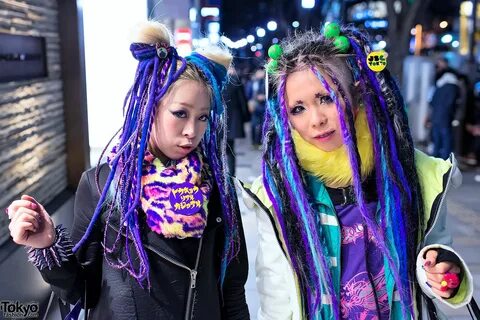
[(443, 24), (446, 38), (210, 11), (295, 24), (261, 32), (308, 4), (272, 25), (250, 38), (192, 14)]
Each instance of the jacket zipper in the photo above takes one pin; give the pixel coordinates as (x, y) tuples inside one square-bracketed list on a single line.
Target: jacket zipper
[(193, 284), (193, 272)]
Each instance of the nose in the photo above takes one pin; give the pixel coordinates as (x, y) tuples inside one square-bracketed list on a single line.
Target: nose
[(189, 131), (318, 118)]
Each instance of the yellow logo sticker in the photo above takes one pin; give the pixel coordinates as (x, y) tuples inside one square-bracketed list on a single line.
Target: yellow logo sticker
[(377, 60)]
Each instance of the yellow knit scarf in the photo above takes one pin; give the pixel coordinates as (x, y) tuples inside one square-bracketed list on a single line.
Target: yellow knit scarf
[(333, 168)]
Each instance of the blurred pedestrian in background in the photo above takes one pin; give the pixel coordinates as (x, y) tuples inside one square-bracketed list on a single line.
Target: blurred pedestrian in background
[(256, 105), (473, 128), (443, 107), (237, 115)]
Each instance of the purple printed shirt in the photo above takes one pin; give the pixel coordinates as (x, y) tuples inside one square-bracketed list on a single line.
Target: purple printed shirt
[(363, 292)]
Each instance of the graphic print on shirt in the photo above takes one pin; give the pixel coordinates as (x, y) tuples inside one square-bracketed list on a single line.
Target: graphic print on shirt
[(352, 234), (358, 298)]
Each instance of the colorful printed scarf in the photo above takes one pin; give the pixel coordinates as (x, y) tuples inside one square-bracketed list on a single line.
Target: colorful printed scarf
[(175, 197)]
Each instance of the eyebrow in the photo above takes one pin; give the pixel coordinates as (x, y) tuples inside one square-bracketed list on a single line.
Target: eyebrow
[(317, 95), (188, 105), (321, 94)]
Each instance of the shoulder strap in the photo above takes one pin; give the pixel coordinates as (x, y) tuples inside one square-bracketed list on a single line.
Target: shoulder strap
[(473, 309)]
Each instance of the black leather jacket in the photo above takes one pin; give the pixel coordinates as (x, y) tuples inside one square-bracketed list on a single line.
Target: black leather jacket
[(184, 273)]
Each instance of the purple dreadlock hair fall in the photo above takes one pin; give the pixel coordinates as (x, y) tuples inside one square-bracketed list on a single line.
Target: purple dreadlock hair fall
[(159, 66), (398, 187)]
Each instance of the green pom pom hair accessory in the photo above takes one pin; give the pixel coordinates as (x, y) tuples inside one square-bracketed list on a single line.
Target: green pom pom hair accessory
[(332, 31), (275, 53)]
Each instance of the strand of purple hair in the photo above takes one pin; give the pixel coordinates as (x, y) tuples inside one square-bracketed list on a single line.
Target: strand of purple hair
[(303, 209)]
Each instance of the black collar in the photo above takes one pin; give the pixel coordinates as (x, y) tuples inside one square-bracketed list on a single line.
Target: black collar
[(346, 196)]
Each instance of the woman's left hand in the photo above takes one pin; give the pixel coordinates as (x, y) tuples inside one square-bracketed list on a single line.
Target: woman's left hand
[(436, 273)]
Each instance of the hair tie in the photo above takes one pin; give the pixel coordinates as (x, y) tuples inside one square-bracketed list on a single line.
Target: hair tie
[(144, 51), (162, 50), (332, 31)]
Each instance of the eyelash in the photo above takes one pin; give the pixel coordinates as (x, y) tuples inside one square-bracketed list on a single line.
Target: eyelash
[(183, 115), (205, 118), (180, 114), (323, 100), (295, 110)]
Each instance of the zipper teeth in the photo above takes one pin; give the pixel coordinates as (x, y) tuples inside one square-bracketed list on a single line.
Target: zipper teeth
[(193, 283), (168, 258), (440, 205), (198, 253)]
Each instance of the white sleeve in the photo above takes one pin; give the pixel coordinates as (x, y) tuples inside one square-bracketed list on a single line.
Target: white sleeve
[(272, 271)]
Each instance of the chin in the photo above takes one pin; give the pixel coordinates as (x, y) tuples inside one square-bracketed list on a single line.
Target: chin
[(329, 147)]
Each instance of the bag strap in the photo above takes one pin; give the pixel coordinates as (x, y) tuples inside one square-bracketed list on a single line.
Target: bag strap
[(431, 308), (49, 305), (473, 309)]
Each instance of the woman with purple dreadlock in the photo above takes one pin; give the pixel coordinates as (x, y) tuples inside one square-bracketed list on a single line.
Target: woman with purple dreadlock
[(351, 217), (157, 232)]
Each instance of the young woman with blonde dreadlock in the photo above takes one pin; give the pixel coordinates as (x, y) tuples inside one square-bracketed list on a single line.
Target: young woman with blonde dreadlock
[(351, 217), (157, 229)]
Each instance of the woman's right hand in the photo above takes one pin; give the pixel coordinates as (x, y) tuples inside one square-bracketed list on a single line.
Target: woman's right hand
[(30, 224)]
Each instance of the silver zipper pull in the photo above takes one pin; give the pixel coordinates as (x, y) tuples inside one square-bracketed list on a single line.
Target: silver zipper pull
[(193, 278)]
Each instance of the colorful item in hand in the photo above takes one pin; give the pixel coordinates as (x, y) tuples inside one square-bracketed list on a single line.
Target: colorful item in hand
[(175, 197), (449, 281), (332, 31)]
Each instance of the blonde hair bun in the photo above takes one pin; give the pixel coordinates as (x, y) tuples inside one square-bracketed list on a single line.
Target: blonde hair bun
[(218, 54), (151, 32)]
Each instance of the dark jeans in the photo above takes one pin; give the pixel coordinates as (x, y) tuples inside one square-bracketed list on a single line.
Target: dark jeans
[(442, 141), (231, 156), (256, 127)]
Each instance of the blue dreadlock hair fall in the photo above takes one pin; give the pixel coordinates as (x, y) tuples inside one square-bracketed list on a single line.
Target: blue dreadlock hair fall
[(398, 188), (159, 66)]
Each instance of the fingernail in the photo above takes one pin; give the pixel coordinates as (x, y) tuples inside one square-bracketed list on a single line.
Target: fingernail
[(33, 206), (427, 263), (428, 284)]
